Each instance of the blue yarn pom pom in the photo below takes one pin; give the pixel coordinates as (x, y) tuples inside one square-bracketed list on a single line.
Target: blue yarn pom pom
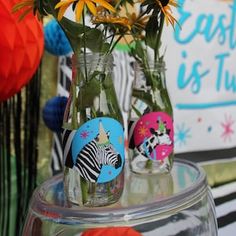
[(53, 112), (56, 41)]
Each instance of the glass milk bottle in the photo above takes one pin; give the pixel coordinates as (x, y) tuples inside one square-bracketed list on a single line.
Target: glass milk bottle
[(151, 134), (93, 135)]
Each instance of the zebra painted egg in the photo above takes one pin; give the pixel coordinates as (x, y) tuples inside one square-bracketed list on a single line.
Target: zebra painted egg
[(56, 41), (53, 112)]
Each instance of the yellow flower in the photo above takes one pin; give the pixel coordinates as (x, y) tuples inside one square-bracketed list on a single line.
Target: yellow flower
[(80, 4), (136, 21), (109, 19), (129, 21), (165, 8)]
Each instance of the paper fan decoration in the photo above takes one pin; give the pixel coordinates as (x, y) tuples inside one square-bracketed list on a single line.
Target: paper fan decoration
[(56, 41), (21, 48), (112, 231)]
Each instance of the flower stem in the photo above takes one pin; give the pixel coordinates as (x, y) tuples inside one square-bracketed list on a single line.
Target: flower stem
[(74, 108), (158, 41), (84, 189), (148, 164), (113, 46), (84, 42)]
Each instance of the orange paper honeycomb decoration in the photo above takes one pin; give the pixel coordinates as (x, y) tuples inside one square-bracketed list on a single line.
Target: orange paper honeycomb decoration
[(21, 48)]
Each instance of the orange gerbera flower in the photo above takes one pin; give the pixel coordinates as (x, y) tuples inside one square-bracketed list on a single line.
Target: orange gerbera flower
[(80, 4), (109, 19), (165, 8), (136, 21)]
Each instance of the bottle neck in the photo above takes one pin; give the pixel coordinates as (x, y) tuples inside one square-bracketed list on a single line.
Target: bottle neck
[(150, 76), (92, 91), (91, 65)]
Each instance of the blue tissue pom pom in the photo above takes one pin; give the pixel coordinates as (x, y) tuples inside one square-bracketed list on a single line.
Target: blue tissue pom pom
[(53, 112), (55, 39)]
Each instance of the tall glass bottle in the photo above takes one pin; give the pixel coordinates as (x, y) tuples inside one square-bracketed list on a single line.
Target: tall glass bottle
[(151, 134), (93, 136)]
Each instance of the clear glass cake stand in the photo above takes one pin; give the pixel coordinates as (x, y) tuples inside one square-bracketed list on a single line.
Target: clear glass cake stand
[(177, 204)]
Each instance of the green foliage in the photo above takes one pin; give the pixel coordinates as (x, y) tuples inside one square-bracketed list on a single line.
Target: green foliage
[(146, 98), (41, 6), (137, 51), (95, 41), (84, 189), (138, 113), (152, 31), (48, 6), (88, 92)]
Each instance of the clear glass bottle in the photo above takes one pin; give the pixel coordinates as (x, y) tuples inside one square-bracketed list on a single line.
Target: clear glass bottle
[(151, 133), (93, 136)]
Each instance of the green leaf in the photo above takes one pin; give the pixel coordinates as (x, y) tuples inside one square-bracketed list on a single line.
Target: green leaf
[(41, 6), (138, 113), (84, 189), (73, 30), (138, 50), (146, 98), (166, 100), (88, 92), (49, 6), (94, 40), (152, 29), (105, 47), (111, 97)]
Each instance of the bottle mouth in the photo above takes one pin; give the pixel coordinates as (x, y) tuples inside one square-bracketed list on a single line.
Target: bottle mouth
[(92, 59), (159, 66)]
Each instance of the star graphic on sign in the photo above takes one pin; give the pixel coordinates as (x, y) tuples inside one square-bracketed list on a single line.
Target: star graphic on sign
[(227, 128), (84, 134), (199, 119), (142, 130), (182, 133)]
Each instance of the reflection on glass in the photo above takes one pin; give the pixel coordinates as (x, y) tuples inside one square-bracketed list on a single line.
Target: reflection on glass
[(179, 203), (141, 189)]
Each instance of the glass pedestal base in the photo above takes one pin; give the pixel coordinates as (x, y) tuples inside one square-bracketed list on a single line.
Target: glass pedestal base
[(179, 203)]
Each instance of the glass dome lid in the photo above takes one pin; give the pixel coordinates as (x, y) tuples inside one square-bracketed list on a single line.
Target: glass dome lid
[(144, 197)]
